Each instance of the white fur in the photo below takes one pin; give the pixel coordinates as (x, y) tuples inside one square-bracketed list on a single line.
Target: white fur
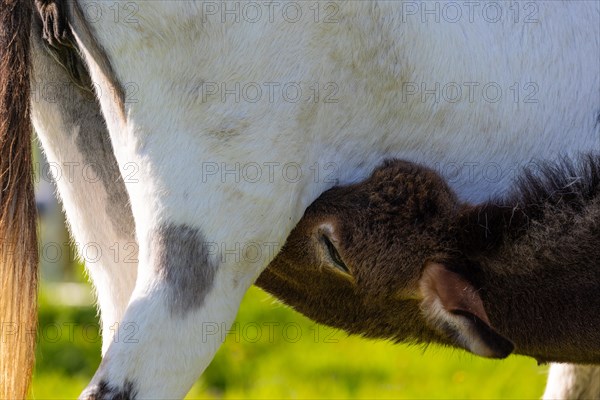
[(567, 381), (371, 53)]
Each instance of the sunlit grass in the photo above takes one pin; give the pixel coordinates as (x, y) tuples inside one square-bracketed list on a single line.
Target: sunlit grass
[(295, 358)]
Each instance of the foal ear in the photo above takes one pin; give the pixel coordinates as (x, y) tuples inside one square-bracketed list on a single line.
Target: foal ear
[(452, 305)]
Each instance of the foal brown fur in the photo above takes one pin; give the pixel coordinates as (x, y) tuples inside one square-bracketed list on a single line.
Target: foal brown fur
[(400, 257), (18, 249)]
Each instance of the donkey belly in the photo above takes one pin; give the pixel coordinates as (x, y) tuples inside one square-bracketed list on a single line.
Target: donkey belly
[(476, 97), (476, 101)]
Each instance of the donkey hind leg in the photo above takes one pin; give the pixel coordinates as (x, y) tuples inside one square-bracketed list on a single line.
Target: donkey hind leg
[(569, 381), (75, 140), (188, 291), (202, 243)]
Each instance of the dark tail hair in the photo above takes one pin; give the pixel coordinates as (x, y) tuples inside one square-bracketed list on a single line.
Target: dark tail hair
[(18, 235)]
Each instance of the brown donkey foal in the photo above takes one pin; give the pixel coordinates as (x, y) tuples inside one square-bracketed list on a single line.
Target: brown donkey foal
[(398, 256)]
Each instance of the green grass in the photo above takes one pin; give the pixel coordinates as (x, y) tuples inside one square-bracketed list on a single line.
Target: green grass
[(295, 359)]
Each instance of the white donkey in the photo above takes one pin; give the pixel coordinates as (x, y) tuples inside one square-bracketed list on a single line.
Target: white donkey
[(212, 125)]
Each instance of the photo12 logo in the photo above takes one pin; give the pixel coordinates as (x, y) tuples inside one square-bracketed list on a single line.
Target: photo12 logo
[(471, 92), (268, 92), (452, 12), (267, 332), (252, 12), (268, 172)]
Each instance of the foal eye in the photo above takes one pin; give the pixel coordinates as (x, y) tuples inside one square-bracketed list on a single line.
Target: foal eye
[(335, 256)]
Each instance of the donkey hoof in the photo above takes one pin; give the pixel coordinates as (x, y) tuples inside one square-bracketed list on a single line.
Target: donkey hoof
[(105, 391)]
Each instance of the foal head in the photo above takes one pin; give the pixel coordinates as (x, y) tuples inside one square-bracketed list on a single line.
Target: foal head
[(378, 259)]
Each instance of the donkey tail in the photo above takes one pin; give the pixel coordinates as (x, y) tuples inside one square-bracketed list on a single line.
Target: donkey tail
[(18, 236)]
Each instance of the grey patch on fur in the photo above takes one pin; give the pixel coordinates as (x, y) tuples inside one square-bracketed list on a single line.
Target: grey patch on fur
[(229, 129), (81, 110), (183, 261), (97, 150)]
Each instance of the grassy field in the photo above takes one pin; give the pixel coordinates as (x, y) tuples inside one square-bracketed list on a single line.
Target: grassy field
[(274, 352)]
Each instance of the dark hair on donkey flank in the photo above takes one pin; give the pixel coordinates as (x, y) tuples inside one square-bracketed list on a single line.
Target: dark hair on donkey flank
[(571, 181)]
